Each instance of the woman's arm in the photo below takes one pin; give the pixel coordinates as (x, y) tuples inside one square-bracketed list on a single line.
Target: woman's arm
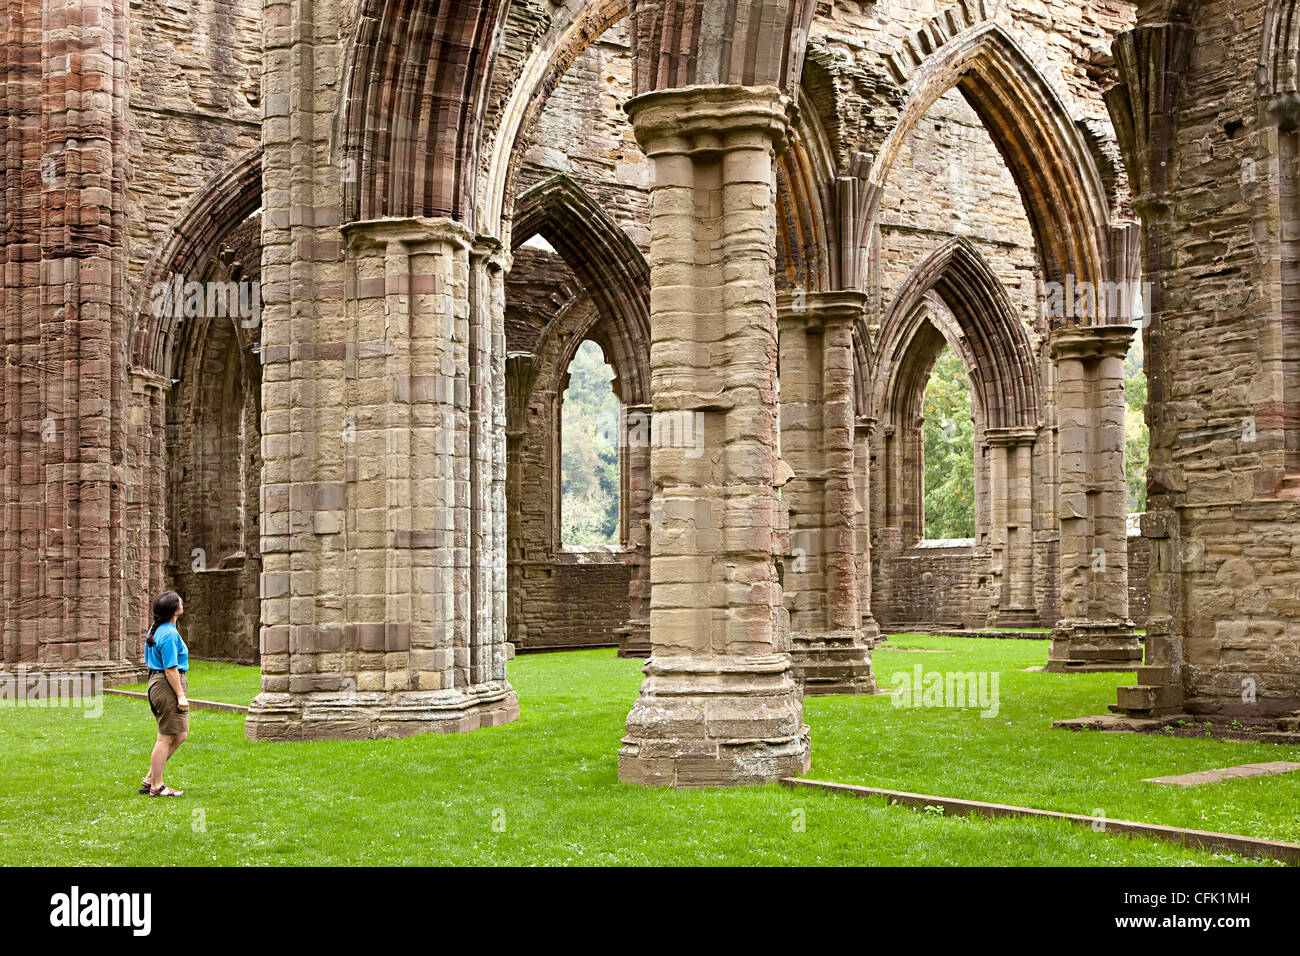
[(174, 678)]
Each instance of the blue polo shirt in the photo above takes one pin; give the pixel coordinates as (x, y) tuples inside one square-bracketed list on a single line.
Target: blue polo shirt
[(168, 650)]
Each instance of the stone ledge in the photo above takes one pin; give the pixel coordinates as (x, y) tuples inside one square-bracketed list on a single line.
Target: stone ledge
[(1269, 731), (1241, 772), (1197, 839)]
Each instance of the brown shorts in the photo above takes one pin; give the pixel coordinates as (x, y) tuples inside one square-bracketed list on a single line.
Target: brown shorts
[(166, 709)]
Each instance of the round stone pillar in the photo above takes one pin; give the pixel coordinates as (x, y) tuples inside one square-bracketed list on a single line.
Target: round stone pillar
[(720, 703), (383, 598)]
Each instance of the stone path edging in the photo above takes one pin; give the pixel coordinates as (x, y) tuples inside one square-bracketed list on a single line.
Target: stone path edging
[(1197, 839)]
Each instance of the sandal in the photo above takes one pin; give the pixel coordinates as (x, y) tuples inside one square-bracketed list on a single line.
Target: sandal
[(166, 791)]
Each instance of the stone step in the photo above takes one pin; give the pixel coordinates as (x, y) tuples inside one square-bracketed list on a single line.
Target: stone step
[(1147, 698)]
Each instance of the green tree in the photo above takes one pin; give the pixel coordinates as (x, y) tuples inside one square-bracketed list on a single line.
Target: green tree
[(1137, 441), (948, 437), (589, 455)]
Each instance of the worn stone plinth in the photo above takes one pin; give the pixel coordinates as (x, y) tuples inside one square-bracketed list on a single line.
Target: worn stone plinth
[(1010, 618), (714, 720), (634, 639), (344, 715), (833, 662), (75, 675), (1088, 646)]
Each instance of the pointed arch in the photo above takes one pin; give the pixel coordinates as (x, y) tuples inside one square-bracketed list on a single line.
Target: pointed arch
[(1062, 189), (412, 107), (993, 342), (522, 113), (224, 203), (805, 174), (1279, 55), (608, 263)]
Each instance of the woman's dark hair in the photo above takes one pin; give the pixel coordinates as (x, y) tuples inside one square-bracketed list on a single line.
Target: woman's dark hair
[(165, 607)]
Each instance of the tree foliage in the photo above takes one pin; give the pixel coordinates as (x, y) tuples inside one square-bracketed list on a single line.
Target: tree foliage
[(589, 456), (1137, 442), (948, 436)]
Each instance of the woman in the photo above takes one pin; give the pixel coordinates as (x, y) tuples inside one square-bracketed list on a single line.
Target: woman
[(168, 660)]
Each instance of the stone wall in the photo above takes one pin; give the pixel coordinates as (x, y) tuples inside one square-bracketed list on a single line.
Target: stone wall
[(575, 599), (1214, 170), (932, 584)]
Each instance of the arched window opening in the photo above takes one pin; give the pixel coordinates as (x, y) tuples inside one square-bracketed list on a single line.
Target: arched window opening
[(1137, 441), (589, 479), (948, 441)]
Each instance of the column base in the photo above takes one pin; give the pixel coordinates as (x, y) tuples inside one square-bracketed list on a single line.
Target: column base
[(634, 639), (363, 715), (1013, 617), (715, 721), (833, 662), (1094, 647), (110, 673)]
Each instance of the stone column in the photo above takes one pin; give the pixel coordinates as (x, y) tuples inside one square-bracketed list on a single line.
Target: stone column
[(830, 651), (415, 520), (1094, 632), (863, 428), (634, 636), (64, 388), (720, 704), (1011, 531), (1151, 62)]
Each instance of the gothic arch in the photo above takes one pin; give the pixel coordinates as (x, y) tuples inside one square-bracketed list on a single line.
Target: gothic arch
[(1279, 56), (412, 104), (226, 201), (993, 342), (805, 183), (610, 266), (528, 101), (1062, 189)]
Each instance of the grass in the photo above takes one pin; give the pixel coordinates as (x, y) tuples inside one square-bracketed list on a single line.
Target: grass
[(1018, 757), (544, 790), (218, 681)]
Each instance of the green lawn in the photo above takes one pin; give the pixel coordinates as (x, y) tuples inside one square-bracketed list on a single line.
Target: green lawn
[(544, 790), (1018, 757), (219, 681)]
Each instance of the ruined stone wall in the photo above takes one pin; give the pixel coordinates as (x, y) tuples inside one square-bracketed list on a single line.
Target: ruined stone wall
[(1139, 566), (196, 107), (560, 597), (930, 585), (1222, 517)]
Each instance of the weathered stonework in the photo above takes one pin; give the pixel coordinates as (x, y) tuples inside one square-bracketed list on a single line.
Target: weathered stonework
[(720, 703), (359, 487)]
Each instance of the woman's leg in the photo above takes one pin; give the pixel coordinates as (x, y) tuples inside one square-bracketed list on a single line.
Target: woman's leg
[(162, 749)]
